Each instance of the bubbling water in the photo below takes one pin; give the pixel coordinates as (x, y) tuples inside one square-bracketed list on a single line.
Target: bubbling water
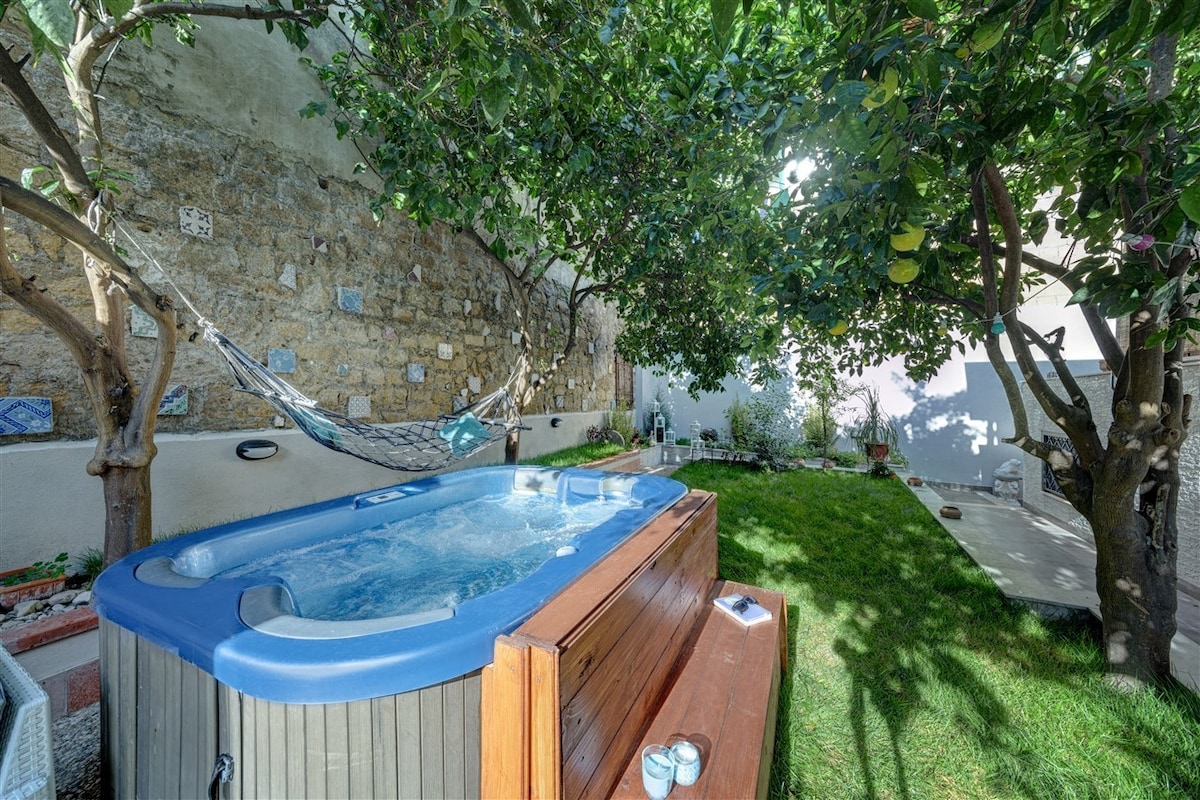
[(429, 561)]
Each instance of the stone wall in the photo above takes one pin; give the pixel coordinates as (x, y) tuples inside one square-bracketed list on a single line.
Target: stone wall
[(1098, 389), (256, 217)]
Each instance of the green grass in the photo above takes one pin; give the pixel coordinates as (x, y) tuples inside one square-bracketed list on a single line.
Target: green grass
[(573, 456), (911, 677)]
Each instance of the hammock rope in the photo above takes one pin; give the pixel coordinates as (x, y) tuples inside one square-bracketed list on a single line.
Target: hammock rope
[(418, 446)]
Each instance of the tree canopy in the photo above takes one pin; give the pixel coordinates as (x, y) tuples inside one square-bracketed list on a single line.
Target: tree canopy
[(567, 137)]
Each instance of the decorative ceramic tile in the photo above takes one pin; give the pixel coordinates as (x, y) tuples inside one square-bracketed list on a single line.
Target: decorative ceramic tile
[(196, 222), (359, 406), (416, 373), (175, 402), (26, 415), (318, 244), (591, 348), (585, 404), (474, 385), (343, 370), (350, 300), (288, 276), (516, 337), (414, 274), (142, 324), (457, 403), (445, 351), (389, 333), (466, 307), (486, 331), (281, 360), (560, 401), (570, 383)]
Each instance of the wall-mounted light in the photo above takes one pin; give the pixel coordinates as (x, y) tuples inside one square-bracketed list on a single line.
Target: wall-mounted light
[(256, 449), (555, 422)]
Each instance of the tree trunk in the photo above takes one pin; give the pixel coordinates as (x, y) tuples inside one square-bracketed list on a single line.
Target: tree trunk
[(1137, 592), (127, 511)]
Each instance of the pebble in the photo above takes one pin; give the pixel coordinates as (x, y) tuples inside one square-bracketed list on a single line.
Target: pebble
[(33, 610)]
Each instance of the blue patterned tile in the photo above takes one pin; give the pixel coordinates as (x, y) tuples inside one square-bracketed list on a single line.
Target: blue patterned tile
[(416, 373), (175, 402), (26, 415), (281, 360), (350, 300)]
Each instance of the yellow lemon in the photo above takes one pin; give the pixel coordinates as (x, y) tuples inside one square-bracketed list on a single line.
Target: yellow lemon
[(903, 270), (882, 91), (839, 327), (943, 330), (908, 239)]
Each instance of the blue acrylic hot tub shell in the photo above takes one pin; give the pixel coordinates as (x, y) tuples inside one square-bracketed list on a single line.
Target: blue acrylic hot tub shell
[(200, 619)]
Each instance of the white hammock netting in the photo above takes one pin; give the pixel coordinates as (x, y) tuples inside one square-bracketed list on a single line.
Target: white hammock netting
[(407, 446)]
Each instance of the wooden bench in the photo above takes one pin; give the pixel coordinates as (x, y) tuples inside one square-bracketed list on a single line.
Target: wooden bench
[(632, 653)]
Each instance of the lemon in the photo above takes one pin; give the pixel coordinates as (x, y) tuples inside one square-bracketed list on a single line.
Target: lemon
[(908, 239), (882, 91), (903, 270), (943, 330), (839, 327)]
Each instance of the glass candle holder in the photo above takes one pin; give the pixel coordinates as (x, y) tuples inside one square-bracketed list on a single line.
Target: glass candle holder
[(658, 771), (687, 762)]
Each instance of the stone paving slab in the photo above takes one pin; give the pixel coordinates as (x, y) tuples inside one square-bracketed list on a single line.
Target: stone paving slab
[(1047, 566)]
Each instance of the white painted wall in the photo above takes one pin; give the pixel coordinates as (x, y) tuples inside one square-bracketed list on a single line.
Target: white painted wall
[(1099, 391), (49, 504), (708, 409)]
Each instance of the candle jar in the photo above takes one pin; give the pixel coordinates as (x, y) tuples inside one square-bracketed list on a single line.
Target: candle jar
[(687, 762)]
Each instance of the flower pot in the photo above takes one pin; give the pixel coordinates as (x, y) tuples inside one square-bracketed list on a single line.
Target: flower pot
[(38, 589), (915, 481)]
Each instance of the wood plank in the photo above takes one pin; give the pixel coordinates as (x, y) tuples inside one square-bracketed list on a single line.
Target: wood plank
[(314, 751), (337, 751), (408, 717), (278, 747), (545, 724), (360, 729), (261, 720), (385, 752), (432, 737), (454, 783), (504, 717), (472, 761), (229, 738), (191, 746), (295, 769)]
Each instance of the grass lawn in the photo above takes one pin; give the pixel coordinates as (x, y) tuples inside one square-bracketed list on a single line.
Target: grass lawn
[(573, 456), (910, 676)]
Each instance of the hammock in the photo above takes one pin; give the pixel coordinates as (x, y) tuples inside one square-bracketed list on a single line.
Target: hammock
[(408, 446)]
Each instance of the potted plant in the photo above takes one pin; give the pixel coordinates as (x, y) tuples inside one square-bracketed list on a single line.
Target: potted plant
[(38, 581), (873, 430)]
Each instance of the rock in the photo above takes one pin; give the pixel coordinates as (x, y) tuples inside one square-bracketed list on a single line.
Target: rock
[(28, 608), (63, 598), (83, 598)]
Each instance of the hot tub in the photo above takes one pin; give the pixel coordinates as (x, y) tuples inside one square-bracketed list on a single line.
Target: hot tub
[(345, 630)]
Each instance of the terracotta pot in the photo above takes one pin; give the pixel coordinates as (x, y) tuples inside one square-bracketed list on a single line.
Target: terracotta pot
[(950, 512), (915, 481), (38, 589)]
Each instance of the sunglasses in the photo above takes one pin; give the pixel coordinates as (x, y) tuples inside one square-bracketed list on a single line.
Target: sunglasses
[(744, 603)]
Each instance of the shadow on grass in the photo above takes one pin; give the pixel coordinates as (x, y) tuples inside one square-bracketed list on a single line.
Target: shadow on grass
[(934, 682)]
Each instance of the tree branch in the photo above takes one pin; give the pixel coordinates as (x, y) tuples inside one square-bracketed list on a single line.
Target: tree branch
[(46, 128)]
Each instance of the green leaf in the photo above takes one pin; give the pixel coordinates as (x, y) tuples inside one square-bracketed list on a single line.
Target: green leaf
[(850, 94), (54, 18), (520, 14), (1189, 201), (926, 9), (118, 8), (723, 14), (495, 99)]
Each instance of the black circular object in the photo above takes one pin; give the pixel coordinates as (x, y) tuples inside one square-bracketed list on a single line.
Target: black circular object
[(256, 449)]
